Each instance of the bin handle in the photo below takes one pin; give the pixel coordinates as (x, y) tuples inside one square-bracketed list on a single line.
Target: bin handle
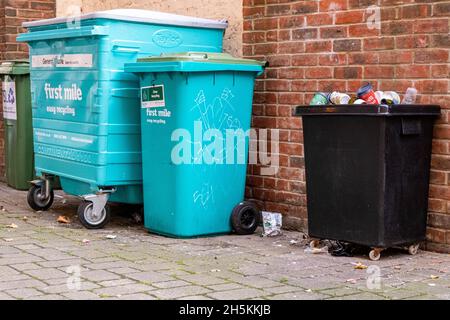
[(125, 49), (198, 55), (63, 33)]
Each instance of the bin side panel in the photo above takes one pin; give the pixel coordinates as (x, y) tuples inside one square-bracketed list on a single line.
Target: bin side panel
[(408, 156), (185, 195), (344, 176)]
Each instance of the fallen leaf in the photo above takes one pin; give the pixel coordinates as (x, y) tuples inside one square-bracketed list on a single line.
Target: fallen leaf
[(9, 240), (63, 219), (293, 242), (25, 218), (85, 241), (351, 281), (432, 284), (309, 290), (12, 226), (397, 268), (434, 277), (111, 236), (360, 266)]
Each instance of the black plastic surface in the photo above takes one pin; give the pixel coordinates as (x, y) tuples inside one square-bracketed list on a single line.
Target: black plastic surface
[(367, 177)]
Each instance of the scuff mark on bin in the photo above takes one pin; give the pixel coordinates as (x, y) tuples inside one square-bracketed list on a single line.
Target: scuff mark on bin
[(204, 195)]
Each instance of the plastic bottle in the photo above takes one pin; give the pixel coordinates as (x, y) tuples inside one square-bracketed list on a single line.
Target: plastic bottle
[(410, 96)]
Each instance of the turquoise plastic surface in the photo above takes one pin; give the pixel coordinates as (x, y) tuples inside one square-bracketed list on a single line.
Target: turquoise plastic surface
[(195, 197), (86, 108)]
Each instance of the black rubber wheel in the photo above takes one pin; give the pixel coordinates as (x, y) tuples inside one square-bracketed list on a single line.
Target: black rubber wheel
[(36, 200), (88, 220), (245, 218)]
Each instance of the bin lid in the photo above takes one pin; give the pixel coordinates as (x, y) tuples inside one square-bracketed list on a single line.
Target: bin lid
[(15, 67), (369, 110), (137, 15), (195, 62)]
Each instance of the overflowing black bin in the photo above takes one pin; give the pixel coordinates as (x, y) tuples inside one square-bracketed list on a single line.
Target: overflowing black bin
[(367, 173)]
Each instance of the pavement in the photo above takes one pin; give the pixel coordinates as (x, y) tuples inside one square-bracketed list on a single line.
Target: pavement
[(43, 259)]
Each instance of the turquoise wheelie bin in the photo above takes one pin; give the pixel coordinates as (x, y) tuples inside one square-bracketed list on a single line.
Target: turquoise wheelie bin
[(86, 108), (195, 115)]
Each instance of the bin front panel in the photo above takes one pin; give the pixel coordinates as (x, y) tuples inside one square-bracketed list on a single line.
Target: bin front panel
[(344, 159), (186, 192), (85, 107), (368, 177)]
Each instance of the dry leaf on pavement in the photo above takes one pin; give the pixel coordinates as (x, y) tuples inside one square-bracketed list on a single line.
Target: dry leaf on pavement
[(360, 266), (63, 219), (12, 226), (110, 236)]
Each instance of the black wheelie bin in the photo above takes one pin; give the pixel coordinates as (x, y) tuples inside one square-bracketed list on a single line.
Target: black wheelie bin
[(367, 173)]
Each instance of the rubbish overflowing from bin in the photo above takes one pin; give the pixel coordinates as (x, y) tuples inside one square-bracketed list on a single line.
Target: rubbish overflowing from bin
[(364, 95)]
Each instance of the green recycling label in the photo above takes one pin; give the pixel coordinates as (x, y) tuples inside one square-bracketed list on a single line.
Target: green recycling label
[(152, 97)]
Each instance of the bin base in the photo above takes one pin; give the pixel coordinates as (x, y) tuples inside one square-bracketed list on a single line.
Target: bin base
[(175, 236), (411, 247)]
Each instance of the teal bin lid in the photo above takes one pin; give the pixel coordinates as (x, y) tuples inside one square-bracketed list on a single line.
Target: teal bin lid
[(15, 67), (195, 62)]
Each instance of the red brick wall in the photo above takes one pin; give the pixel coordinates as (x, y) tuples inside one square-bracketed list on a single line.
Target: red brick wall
[(12, 14), (326, 45)]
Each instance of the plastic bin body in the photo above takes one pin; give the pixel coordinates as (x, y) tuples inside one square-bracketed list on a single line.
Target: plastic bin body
[(195, 198), (17, 123), (367, 172), (89, 133)]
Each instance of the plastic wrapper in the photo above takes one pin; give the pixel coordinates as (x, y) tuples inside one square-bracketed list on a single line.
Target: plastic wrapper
[(272, 223)]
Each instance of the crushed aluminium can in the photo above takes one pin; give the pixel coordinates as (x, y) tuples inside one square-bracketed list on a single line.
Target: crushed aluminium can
[(352, 100), (379, 95), (367, 94), (339, 98), (390, 98), (320, 99)]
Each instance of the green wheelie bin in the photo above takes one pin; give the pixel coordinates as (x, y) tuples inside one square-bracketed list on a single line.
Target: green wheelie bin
[(17, 123)]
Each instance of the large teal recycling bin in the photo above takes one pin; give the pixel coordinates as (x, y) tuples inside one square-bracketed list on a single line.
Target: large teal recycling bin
[(195, 114), (86, 108)]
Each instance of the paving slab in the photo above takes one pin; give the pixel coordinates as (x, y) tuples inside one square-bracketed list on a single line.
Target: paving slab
[(37, 257)]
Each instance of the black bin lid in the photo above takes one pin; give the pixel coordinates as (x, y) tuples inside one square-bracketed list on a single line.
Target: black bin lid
[(369, 110)]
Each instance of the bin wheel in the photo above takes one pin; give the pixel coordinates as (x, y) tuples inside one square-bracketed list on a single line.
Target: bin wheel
[(36, 198), (245, 218), (88, 219), (375, 254), (413, 249)]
